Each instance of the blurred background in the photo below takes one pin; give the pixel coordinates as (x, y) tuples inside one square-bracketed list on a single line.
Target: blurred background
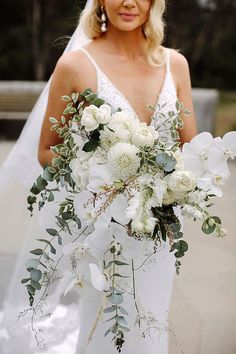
[(33, 35)]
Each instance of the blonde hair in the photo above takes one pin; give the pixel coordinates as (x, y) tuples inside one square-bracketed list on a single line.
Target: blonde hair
[(153, 29)]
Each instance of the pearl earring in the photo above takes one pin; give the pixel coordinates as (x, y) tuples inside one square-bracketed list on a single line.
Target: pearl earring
[(103, 19)]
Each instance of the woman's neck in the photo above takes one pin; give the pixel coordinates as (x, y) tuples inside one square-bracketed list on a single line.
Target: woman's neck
[(128, 44)]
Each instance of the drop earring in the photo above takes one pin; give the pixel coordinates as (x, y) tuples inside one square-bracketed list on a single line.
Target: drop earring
[(103, 19)]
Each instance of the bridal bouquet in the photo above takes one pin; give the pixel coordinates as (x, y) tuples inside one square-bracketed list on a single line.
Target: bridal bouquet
[(123, 191)]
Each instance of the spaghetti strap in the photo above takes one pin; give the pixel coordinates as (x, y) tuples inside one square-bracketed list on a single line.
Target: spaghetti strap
[(168, 60), (90, 58)]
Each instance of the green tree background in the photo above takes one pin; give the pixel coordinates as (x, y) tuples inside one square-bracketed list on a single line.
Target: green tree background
[(34, 33)]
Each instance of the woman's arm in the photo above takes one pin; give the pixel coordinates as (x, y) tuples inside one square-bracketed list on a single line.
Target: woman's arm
[(181, 72), (61, 84)]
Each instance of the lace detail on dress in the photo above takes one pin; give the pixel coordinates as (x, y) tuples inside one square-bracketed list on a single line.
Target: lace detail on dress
[(166, 100)]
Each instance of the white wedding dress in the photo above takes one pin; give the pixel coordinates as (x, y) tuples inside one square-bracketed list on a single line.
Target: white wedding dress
[(74, 329)]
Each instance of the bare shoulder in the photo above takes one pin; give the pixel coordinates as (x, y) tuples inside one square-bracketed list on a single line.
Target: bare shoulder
[(72, 66), (179, 67), (178, 60)]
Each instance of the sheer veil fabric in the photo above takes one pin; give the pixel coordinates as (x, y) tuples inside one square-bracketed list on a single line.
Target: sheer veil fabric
[(17, 174)]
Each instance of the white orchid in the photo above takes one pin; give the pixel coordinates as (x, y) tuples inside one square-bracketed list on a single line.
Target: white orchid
[(98, 279), (101, 240), (88, 209), (199, 152), (88, 283), (99, 175), (227, 145), (212, 182)]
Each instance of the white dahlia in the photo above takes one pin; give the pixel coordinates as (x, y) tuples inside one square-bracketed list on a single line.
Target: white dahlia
[(123, 160)]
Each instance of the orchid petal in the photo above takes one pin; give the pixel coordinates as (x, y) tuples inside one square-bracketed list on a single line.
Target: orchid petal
[(98, 279), (99, 176), (118, 208)]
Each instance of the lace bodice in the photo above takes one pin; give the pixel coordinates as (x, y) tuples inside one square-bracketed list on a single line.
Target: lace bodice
[(112, 95)]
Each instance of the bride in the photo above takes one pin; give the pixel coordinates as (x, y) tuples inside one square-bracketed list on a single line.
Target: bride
[(124, 63), (117, 52)]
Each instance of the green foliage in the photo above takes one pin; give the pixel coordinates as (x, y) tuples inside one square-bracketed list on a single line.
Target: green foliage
[(166, 161)]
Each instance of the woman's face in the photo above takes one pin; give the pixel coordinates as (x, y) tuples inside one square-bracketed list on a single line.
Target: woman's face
[(127, 15)]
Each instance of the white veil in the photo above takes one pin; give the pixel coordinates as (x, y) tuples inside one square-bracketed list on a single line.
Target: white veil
[(23, 156), (19, 232)]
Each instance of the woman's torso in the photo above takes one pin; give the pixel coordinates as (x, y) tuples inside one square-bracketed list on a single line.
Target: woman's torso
[(131, 85)]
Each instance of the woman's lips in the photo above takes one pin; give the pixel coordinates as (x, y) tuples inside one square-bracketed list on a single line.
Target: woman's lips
[(127, 16)]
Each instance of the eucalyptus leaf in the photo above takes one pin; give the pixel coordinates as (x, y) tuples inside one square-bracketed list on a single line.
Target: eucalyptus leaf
[(208, 229), (34, 189), (25, 280), (59, 240), (120, 263), (116, 298), (110, 309), (46, 256), (32, 263), (78, 222), (51, 197), (108, 331), (47, 175), (126, 329), (35, 285), (114, 328), (37, 251), (121, 320), (111, 318), (41, 183), (30, 289), (31, 199), (52, 232), (166, 162), (123, 311), (36, 274)]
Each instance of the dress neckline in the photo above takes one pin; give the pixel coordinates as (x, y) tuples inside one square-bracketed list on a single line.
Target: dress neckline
[(122, 95)]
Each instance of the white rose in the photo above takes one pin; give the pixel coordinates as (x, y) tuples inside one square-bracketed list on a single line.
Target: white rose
[(98, 158), (103, 114), (182, 181), (108, 138), (125, 118), (179, 159), (144, 135), (89, 120), (123, 124)]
